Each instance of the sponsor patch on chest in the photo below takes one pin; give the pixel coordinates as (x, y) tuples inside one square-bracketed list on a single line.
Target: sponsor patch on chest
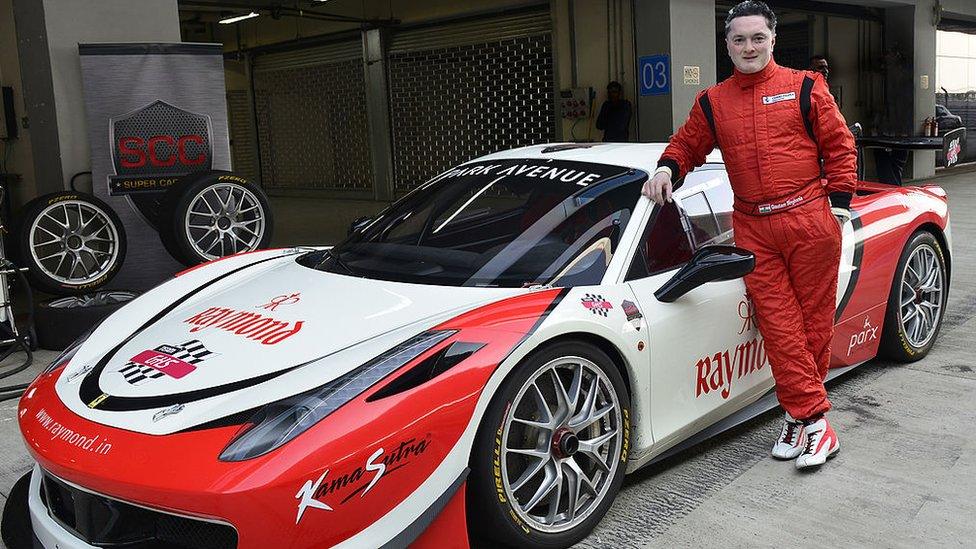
[(770, 99)]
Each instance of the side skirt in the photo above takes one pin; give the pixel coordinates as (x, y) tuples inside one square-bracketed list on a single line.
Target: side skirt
[(766, 403)]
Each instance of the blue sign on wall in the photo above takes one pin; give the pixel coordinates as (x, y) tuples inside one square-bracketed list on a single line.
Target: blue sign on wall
[(655, 74)]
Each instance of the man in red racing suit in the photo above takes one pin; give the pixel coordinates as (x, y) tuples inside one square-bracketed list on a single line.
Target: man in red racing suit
[(773, 126)]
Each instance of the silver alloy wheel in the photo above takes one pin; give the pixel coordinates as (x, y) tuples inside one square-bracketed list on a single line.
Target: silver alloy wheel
[(920, 297), (110, 297), (74, 242), (224, 219), (561, 444)]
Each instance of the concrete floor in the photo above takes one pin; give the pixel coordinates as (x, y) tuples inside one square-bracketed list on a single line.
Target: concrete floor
[(905, 476)]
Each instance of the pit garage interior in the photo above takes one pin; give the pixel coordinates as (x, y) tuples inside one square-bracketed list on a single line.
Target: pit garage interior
[(336, 108)]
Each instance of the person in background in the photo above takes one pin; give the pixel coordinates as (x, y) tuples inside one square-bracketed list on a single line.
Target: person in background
[(614, 117), (818, 63)]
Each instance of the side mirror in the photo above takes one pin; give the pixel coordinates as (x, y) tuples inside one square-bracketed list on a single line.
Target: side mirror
[(709, 264), (359, 223)]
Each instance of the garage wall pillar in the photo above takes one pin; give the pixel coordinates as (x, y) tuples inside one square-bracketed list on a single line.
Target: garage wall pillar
[(48, 33), (910, 86), (378, 112), (684, 30)]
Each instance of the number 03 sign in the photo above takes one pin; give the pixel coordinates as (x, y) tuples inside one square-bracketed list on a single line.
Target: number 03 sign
[(655, 74)]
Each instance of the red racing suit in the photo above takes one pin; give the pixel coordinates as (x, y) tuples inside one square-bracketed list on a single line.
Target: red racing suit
[(782, 213)]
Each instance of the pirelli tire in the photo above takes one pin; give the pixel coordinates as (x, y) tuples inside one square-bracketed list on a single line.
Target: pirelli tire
[(214, 214), (547, 461), (71, 242), (62, 320), (917, 300)]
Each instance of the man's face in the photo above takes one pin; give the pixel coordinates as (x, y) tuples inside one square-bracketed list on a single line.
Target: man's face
[(613, 94), (750, 43), (820, 65)]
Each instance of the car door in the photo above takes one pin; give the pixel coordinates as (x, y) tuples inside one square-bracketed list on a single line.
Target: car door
[(706, 356)]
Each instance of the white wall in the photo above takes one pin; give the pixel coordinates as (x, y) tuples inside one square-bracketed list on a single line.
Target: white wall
[(70, 22)]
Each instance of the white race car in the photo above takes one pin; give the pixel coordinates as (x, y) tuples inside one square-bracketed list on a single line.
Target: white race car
[(492, 354)]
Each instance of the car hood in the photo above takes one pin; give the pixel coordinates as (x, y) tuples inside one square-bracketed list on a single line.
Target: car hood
[(274, 325)]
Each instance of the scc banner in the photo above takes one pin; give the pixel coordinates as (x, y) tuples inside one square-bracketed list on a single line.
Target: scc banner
[(155, 112)]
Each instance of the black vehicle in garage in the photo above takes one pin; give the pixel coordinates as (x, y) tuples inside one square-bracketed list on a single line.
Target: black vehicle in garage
[(946, 120)]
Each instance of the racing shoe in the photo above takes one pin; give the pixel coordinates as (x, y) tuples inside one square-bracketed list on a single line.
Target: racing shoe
[(820, 444), (789, 444)]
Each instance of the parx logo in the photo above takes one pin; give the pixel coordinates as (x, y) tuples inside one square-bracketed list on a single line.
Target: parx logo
[(867, 334)]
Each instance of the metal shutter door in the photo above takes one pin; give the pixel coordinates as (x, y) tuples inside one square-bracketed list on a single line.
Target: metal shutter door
[(310, 107), (468, 88)]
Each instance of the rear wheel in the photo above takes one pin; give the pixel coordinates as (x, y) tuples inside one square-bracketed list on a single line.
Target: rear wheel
[(917, 300), (551, 451)]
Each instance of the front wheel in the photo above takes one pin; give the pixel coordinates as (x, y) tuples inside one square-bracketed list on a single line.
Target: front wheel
[(916, 303), (551, 452)]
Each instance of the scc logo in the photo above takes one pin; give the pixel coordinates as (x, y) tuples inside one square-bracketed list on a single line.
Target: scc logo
[(135, 152), (155, 145)]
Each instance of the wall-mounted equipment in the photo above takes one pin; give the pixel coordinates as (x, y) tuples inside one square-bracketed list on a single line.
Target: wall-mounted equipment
[(574, 103)]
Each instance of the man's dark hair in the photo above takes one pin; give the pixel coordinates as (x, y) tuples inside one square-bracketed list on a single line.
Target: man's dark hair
[(751, 7), (816, 57), (615, 86)]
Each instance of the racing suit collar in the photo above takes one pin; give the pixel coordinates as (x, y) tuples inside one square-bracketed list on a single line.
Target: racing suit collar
[(745, 80)]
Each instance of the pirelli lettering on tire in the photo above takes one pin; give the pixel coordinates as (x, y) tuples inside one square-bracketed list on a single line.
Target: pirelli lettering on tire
[(625, 447), (496, 460), (62, 198)]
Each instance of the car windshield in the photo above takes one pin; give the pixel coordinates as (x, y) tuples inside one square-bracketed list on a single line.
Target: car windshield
[(502, 223)]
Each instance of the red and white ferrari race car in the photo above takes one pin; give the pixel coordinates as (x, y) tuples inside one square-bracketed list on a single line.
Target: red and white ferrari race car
[(490, 355)]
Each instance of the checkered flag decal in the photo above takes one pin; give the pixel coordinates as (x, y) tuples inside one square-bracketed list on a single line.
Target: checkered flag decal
[(596, 304), (192, 352)]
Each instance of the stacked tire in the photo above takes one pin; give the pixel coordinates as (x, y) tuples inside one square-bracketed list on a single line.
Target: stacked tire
[(213, 214), (73, 244)]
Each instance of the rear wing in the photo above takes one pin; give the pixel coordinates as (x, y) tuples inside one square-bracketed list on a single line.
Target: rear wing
[(891, 152)]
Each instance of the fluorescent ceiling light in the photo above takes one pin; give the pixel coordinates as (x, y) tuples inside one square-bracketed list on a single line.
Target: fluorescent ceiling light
[(237, 18)]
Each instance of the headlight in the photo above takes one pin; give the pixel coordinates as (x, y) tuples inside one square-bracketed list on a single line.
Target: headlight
[(279, 422)]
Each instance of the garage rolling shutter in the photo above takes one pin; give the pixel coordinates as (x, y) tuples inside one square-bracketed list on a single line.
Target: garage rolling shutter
[(241, 134), (463, 89), (472, 32), (309, 57), (310, 107)]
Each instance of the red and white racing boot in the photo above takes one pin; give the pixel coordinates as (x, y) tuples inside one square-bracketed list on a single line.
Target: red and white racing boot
[(820, 443), (790, 441)]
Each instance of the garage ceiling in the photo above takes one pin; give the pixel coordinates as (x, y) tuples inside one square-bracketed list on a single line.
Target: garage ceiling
[(207, 10)]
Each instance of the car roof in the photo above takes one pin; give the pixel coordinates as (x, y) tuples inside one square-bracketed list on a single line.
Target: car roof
[(643, 156)]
